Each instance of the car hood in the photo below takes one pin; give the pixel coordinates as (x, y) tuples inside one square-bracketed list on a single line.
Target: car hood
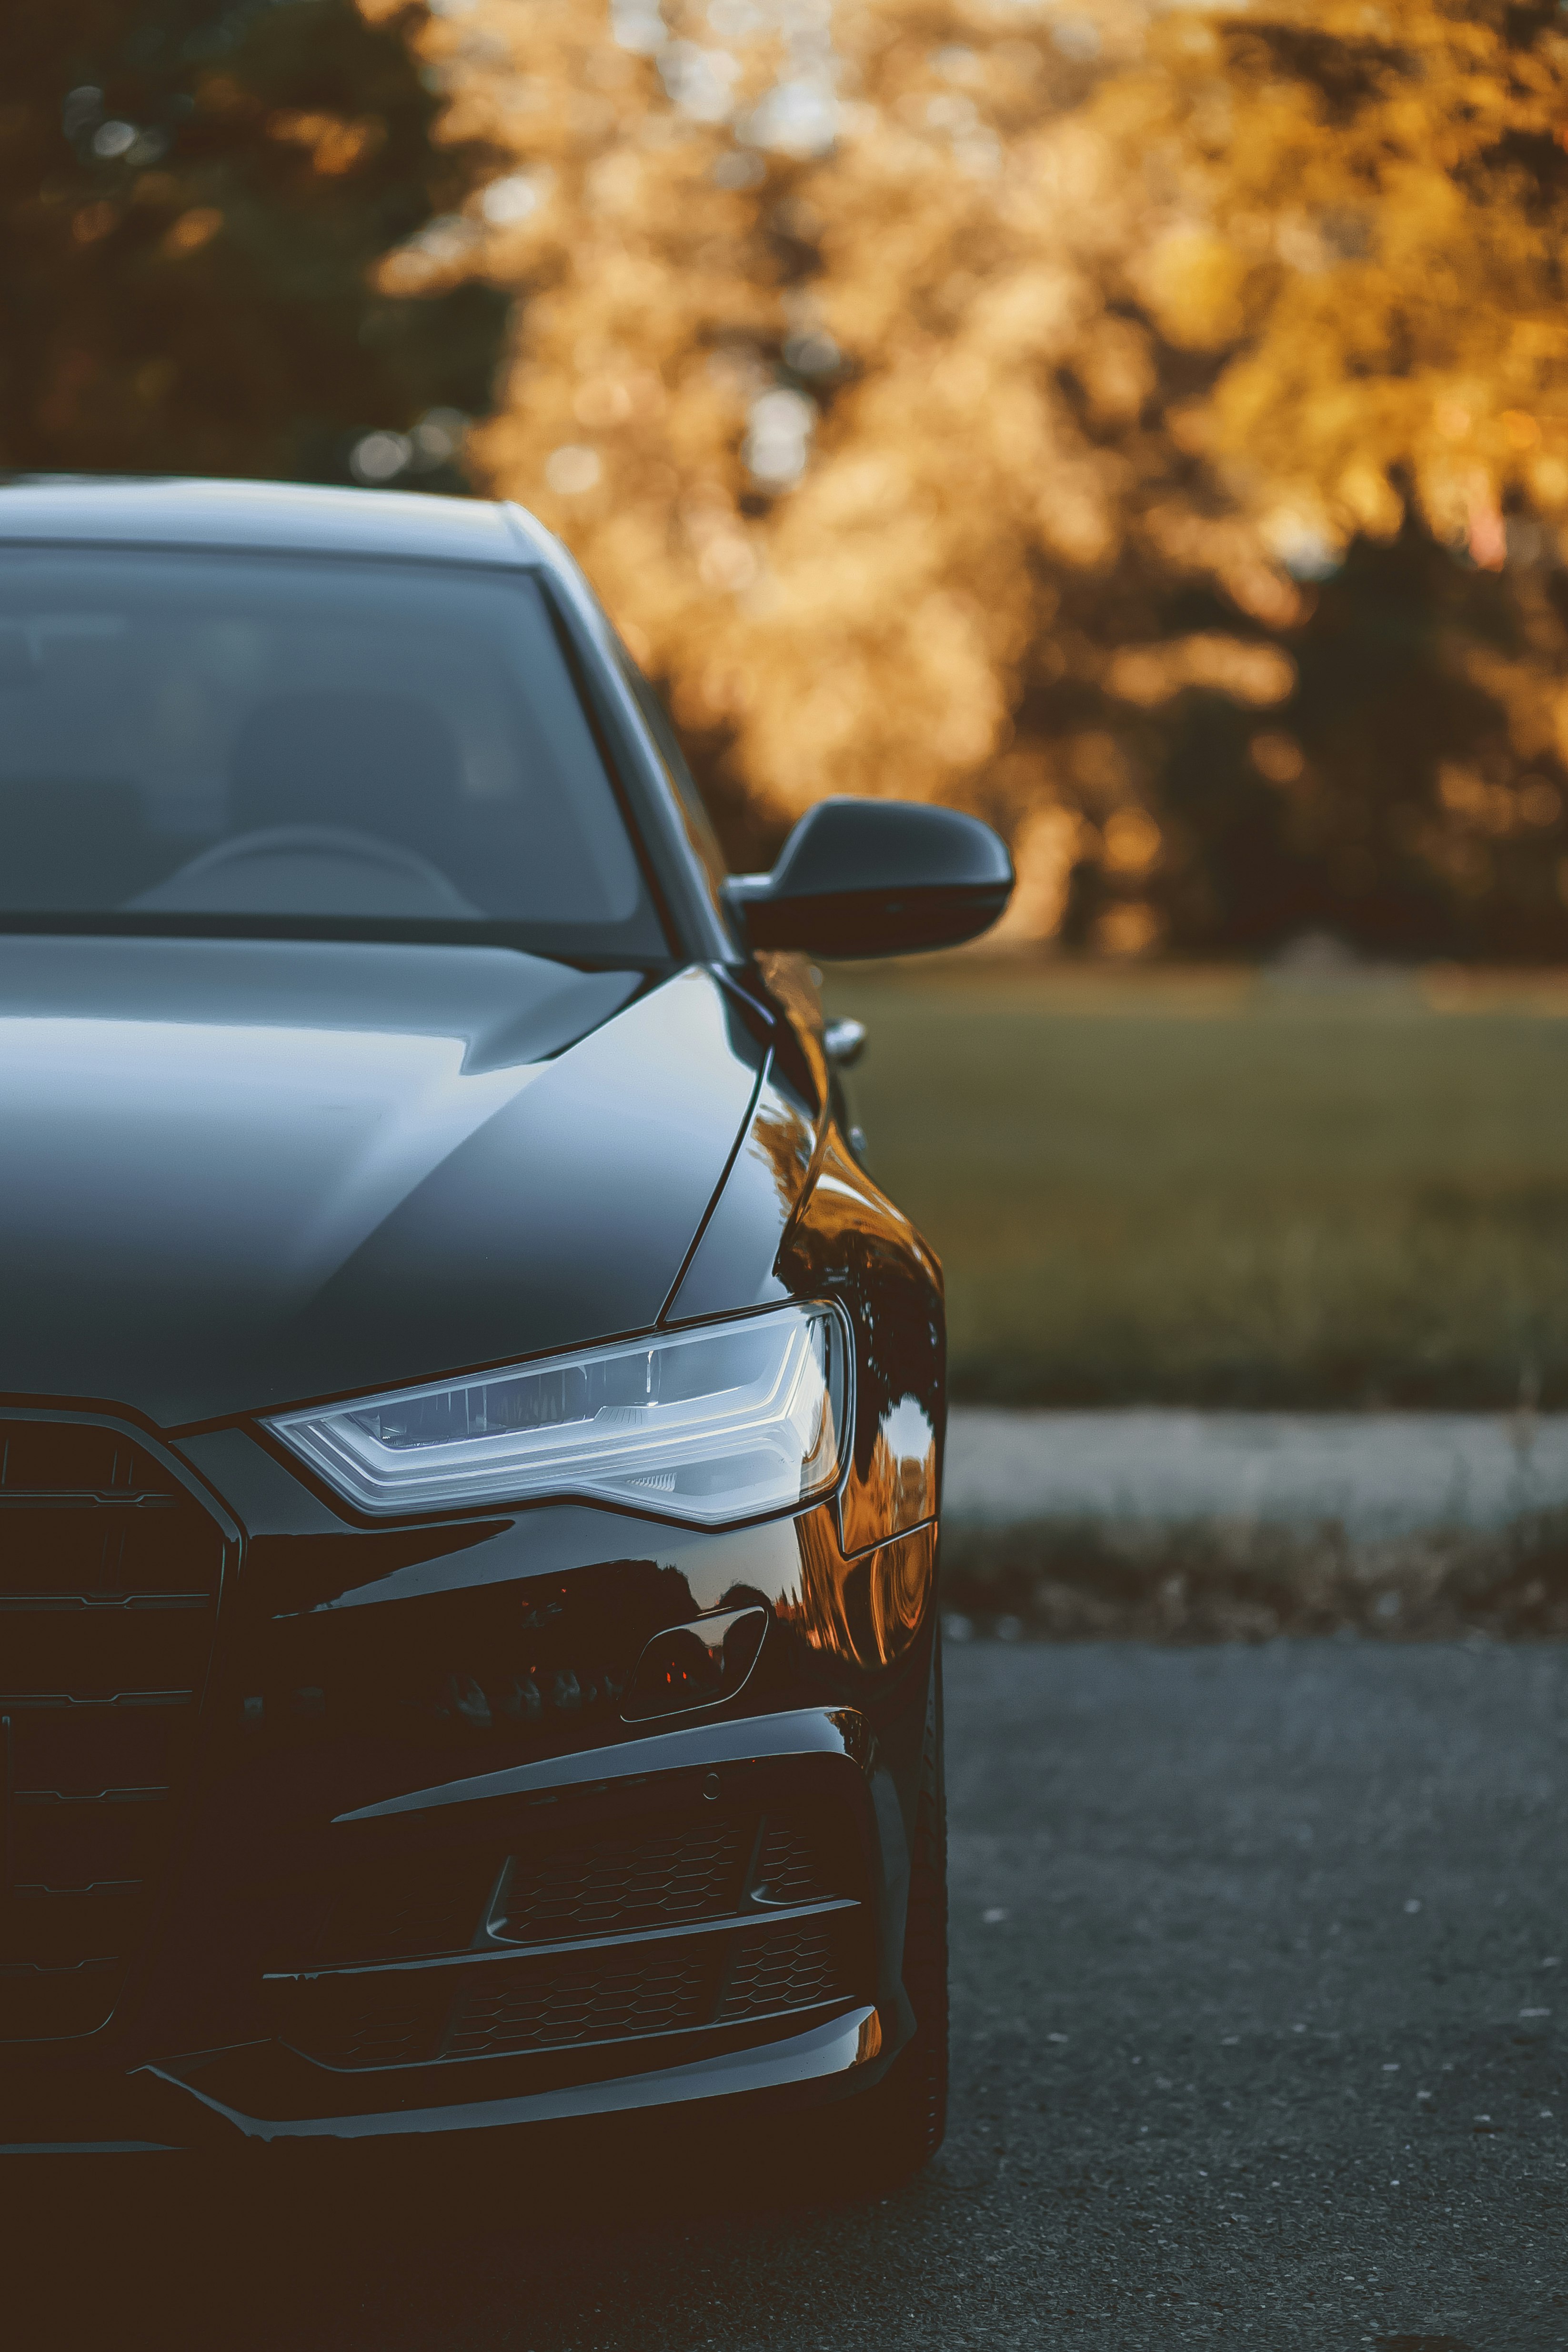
[(238, 1175)]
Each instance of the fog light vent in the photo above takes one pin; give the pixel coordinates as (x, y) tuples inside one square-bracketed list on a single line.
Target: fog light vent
[(698, 1664)]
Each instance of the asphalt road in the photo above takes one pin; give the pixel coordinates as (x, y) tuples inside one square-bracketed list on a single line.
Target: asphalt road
[(1261, 1990)]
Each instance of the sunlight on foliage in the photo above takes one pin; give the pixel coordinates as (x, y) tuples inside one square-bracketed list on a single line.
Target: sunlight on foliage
[(970, 399), (850, 428), (1137, 423)]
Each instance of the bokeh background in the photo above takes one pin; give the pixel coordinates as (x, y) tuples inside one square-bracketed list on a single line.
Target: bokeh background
[(1145, 425)]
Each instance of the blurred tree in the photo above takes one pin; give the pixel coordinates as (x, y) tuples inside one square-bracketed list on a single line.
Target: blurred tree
[(1375, 206), (832, 372), (1392, 800), (944, 402), (1370, 207), (191, 197)]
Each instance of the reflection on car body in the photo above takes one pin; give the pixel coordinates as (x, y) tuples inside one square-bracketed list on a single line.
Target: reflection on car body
[(471, 1426)]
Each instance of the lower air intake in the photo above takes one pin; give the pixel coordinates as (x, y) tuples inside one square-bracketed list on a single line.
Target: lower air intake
[(783, 1969), (678, 1923), (596, 1998)]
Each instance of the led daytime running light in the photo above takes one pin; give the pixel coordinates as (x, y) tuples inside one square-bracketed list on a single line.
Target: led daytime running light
[(711, 1425)]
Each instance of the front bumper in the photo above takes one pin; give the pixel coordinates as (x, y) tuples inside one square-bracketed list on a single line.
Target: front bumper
[(426, 1879)]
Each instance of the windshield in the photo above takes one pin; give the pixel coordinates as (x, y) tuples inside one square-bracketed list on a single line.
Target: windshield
[(332, 745)]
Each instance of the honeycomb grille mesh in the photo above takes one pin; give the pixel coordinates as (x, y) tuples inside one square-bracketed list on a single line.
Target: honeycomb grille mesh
[(597, 1997), (785, 1967), (668, 1926), (794, 1867), (626, 1882), (382, 2032)]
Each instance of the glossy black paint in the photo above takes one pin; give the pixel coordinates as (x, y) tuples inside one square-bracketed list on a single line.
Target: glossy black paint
[(238, 1173), (875, 878), (264, 1171)]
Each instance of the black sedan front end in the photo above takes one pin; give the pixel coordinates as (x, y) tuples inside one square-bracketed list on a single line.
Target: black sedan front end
[(469, 1426)]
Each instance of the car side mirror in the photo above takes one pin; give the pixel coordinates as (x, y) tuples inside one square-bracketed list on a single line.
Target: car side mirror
[(875, 879)]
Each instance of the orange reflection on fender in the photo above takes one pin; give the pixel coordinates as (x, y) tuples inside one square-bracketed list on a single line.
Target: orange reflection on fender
[(899, 1488), (866, 1610)]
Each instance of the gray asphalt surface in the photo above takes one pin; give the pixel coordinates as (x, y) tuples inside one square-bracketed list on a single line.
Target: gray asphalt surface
[(1261, 1967)]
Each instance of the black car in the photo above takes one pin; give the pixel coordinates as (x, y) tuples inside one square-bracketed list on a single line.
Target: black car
[(472, 1438)]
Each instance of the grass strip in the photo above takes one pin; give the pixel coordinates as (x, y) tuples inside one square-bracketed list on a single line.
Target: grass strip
[(1225, 1189)]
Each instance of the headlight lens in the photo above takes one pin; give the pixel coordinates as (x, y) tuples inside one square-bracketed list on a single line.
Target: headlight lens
[(727, 1422)]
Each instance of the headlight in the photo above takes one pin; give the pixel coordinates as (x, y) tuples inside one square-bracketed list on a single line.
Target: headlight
[(727, 1422)]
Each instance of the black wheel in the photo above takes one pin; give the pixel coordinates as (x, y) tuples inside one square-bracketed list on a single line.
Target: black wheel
[(896, 2127)]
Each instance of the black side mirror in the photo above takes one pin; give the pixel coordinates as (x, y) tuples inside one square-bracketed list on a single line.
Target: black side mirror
[(875, 878)]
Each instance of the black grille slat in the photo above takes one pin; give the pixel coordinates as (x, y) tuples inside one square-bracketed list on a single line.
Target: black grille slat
[(80, 1703), (50, 1499), (131, 1792), (109, 1580), (61, 1844), (20, 1601), (77, 1751), (48, 2004), (53, 1928), (94, 1652), (80, 1457)]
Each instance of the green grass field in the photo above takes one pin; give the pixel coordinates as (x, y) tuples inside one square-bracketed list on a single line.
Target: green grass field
[(1225, 1189)]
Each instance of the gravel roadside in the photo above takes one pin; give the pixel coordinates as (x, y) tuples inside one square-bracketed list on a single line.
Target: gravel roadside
[(1174, 1525)]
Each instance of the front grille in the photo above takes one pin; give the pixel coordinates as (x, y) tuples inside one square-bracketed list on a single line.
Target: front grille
[(668, 1927), (108, 1579)]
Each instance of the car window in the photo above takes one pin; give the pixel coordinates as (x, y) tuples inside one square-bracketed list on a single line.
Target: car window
[(332, 740)]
